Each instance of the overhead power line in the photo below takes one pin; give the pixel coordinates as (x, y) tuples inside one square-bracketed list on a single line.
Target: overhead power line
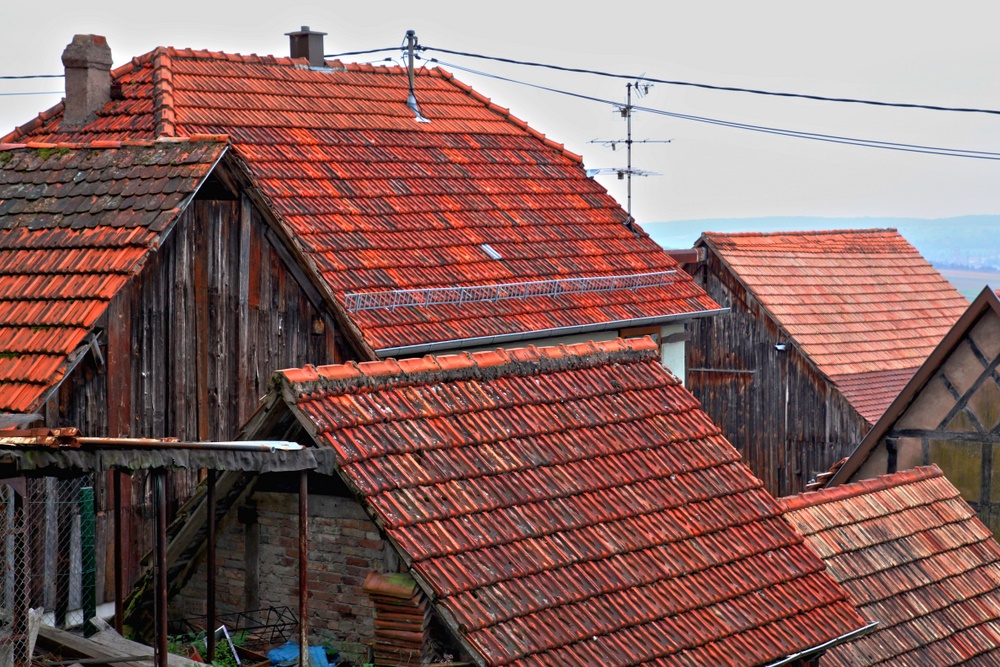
[(361, 53), (707, 86), (34, 92), (33, 76), (814, 136)]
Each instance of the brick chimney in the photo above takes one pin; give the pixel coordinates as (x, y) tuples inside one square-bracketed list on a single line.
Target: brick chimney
[(87, 60), (307, 44)]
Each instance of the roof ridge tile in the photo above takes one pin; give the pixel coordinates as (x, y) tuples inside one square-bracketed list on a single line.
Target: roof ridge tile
[(33, 124), (114, 144), (369, 375), (854, 489), (164, 118), (817, 232)]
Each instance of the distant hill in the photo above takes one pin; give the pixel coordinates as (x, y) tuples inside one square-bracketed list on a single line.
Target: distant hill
[(971, 241), (966, 249)]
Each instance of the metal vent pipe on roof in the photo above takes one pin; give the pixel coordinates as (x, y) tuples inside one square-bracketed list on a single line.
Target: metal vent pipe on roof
[(307, 44), (411, 100)]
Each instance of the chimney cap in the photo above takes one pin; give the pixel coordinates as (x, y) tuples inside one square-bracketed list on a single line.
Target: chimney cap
[(304, 31), (88, 51)]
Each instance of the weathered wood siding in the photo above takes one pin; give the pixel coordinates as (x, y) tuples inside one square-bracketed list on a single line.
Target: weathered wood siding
[(783, 416), (190, 344)]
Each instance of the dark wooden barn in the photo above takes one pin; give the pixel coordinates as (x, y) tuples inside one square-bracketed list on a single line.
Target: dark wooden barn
[(824, 329), (144, 294)]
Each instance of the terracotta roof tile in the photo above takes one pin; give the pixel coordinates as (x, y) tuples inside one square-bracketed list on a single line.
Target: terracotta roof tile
[(76, 221), (863, 305), (915, 558), (573, 505), (380, 202)]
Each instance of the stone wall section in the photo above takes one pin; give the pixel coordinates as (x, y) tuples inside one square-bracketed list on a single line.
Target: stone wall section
[(344, 547)]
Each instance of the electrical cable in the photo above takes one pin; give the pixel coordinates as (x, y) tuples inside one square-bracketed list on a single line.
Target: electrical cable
[(707, 86), (37, 92), (360, 53), (828, 138), (34, 76)]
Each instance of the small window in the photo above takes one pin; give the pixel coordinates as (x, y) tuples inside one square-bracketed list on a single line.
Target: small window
[(488, 249)]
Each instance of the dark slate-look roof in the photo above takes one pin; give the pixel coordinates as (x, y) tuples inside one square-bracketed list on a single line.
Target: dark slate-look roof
[(572, 505), (915, 558), (380, 202), (76, 222), (863, 305)]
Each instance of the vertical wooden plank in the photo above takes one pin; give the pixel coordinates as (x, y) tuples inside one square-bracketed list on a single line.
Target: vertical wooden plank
[(244, 269), (253, 312), (201, 256), (119, 366)]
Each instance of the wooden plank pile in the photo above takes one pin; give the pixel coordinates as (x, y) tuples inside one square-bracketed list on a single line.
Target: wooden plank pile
[(402, 617)]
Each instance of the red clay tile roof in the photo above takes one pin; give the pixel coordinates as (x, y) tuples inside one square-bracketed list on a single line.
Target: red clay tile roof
[(858, 303), (76, 221), (572, 505), (915, 558), (871, 393), (381, 202)]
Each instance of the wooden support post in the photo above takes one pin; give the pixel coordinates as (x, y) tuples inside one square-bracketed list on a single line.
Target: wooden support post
[(116, 490), (210, 601), (64, 528), (88, 559), (304, 569), (161, 568)]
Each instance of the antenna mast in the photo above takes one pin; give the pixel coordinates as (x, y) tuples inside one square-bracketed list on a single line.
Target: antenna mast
[(627, 112), (628, 171)]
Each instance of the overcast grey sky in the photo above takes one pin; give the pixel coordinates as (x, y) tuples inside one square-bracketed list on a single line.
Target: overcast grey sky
[(943, 53)]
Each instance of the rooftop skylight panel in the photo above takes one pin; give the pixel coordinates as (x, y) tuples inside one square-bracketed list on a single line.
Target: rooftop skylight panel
[(488, 249)]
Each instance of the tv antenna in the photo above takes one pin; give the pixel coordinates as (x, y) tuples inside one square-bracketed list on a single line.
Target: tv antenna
[(641, 89)]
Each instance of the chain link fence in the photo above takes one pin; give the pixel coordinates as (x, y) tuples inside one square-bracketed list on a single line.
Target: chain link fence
[(14, 584), (47, 546)]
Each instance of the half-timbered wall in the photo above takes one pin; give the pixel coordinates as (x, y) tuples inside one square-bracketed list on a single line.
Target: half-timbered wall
[(954, 421), (786, 419)]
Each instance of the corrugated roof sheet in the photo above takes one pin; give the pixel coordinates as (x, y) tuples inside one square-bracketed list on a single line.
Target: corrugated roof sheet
[(381, 202), (573, 505), (915, 558), (76, 222), (863, 305)]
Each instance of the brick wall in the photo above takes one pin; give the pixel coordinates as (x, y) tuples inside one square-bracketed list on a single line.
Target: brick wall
[(344, 547)]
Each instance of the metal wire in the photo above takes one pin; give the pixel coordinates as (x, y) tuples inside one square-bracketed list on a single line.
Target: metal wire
[(434, 296), (47, 551)]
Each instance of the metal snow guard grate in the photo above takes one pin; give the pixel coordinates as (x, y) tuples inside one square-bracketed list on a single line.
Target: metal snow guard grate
[(434, 296)]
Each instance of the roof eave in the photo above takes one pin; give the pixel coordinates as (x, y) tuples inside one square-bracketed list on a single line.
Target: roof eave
[(499, 339)]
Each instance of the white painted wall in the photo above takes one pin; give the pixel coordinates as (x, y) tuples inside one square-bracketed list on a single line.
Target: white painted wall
[(672, 355)]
